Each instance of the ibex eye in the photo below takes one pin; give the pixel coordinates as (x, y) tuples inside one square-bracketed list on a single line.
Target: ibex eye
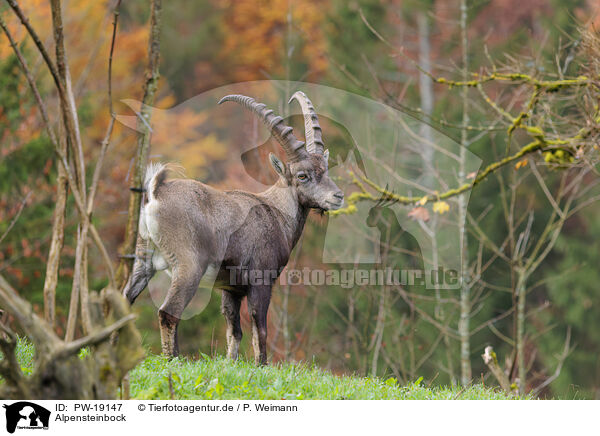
[(302, 177)]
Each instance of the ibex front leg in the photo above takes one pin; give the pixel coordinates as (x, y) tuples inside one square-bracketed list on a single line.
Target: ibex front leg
[(259, 298)]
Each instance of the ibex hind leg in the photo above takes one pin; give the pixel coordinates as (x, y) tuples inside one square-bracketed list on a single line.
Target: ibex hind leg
[(230, 307), (184, 285)]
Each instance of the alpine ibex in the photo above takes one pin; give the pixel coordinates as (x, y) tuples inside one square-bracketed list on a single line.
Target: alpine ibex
[(188, 227)]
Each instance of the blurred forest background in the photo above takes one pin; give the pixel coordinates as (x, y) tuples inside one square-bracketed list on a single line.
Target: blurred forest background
[(360, 46)]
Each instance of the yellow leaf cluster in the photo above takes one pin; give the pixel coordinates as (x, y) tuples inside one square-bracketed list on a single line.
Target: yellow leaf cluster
[(440, 207)]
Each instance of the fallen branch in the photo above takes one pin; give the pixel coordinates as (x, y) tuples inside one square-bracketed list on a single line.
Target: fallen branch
[(59, 372), (94, 338), (9, 366)]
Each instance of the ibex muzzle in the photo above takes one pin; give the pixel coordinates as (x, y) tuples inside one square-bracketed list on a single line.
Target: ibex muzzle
[(188, 227)]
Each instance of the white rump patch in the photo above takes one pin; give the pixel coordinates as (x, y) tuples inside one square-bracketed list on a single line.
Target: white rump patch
[(143, 228), (151, 221)]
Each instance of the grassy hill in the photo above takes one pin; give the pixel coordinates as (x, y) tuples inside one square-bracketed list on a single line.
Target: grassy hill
[(220, 378)]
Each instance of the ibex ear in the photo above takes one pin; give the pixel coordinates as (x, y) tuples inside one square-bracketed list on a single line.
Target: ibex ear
[(277, 164)]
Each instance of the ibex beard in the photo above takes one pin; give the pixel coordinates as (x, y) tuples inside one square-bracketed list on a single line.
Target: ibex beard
[(188, 228)]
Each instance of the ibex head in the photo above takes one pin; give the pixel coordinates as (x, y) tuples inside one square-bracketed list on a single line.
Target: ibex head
[(306, 171)]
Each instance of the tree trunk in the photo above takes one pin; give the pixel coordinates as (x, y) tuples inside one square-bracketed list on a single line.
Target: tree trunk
[(57, 241), (521, 296), (143, 146), (71, 124), (465, 291), (426, 93)]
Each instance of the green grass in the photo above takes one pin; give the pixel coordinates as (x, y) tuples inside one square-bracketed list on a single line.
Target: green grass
[(219, 378), (25, 355)]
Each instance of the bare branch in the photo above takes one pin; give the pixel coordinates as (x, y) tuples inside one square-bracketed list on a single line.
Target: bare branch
[(567, 349), (41, 48), (109, 130), (62, 157), (16, 217)]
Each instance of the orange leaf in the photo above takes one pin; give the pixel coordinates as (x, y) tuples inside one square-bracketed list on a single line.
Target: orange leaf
[(419, 214), (520, 164)]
